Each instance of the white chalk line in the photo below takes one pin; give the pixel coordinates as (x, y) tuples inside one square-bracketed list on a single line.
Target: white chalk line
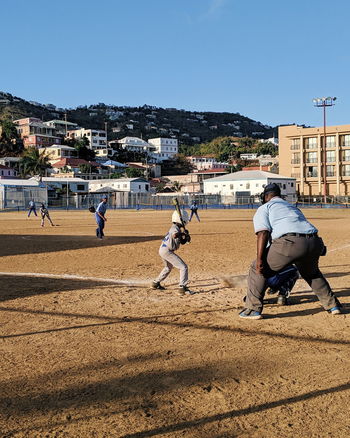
[(78, 277), (339, 248)]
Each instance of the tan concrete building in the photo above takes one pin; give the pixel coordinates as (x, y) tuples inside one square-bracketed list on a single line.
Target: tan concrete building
[(302, 155)]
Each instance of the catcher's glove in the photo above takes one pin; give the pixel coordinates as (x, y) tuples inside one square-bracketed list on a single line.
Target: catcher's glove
[(185, 237), (92, 209)]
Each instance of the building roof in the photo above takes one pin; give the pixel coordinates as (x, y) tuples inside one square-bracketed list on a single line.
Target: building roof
[(5, 167), (32, 182), (65, 180), (249, 175), (60, 146), (72, 162), (113, 180), (63, 122), (213, 170)]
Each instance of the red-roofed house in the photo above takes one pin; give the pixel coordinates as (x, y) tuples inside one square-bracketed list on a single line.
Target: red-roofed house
[(72, 166)]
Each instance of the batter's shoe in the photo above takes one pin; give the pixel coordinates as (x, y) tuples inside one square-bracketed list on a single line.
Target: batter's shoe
[(250, 314), (157, 285), (185, 290), (335, 311)]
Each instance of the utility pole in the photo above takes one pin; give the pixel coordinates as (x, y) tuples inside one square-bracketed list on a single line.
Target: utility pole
[(323, 102), (65, 119)]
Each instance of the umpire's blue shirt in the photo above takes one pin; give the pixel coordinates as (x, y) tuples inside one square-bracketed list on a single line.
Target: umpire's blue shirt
[(279, 217)]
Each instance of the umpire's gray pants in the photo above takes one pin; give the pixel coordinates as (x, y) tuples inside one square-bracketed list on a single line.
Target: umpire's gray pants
[(170, 259), (304, 252)]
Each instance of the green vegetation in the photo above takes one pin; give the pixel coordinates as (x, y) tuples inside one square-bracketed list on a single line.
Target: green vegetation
[(225, 148), (134, 173), (34, 163), (10, 143)]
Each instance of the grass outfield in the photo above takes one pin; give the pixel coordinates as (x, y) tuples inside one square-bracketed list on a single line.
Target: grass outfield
[(89, 350)]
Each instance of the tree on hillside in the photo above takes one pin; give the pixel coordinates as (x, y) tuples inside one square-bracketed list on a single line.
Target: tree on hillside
[(34, 163), (131, 172), (87, 168), (266, 148), (82, 147), (10, 143), (178, 166)]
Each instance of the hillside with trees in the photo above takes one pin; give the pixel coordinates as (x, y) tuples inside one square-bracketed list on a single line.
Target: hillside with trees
[(189, 127)]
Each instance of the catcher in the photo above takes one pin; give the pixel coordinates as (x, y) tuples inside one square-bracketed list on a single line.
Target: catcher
[(175, 237)]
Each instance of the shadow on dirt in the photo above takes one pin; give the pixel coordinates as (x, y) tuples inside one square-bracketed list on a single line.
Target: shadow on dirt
[(36, 243)]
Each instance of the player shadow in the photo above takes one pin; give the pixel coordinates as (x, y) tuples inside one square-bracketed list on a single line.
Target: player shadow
[(36, 243), (14, 287)]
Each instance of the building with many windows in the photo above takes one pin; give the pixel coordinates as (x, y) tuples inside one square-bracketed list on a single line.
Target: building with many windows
[(304, 155), (35, 133), (164, 148), (97, 138)]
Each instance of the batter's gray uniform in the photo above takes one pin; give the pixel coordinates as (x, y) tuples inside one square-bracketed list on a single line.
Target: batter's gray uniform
[(170, 244), (294, 240)]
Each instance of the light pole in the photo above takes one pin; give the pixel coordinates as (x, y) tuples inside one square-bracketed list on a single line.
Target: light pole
[(324, 102), (146, 152)]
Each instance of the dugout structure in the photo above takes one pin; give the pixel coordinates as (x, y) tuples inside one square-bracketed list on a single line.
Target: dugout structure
[(16, 194)]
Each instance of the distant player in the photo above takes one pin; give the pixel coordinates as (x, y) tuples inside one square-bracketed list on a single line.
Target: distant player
[(100, 217), (32, 207), (169, 245), (194, 210), (45, 214)]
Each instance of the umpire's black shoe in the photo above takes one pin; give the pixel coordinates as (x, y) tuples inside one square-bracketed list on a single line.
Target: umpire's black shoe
[(157, 285)]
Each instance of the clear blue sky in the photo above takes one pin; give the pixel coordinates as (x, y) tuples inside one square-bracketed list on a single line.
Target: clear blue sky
[(263, 59)]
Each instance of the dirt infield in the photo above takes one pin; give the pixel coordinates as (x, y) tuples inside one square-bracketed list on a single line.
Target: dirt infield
[(86, 357)]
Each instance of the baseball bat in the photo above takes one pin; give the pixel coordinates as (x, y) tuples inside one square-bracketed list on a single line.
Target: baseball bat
[(178, 209)]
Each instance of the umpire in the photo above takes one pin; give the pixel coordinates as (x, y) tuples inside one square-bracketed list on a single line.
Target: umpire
[(284, 237)]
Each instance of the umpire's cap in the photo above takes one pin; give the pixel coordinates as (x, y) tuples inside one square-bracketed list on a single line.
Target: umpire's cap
[(270, 188)]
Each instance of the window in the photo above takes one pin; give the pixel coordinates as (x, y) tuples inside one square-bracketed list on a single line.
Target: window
[(311, 157), (231, 186), (292, 184), (295, 158), (125, 186), (330, 156), (344, 140), (295, 144), (147, 187), (330, 141), (346, 155), (284, 187), (80, 187), (247, 186), (310, 143), (346, 170), (330, 170), (312, 171)]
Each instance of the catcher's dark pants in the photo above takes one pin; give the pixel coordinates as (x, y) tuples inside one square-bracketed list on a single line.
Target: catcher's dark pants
[(304, 252)]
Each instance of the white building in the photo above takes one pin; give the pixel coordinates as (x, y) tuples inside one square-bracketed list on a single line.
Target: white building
[(165, 148), (248, 156), (56, 153), (135, 144), (132, 185), (203, 162), (75, 185), (61, 126), (97, 138), (248, 183)]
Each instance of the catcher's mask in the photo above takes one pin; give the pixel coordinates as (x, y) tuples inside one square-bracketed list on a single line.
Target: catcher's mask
[(272, 187)]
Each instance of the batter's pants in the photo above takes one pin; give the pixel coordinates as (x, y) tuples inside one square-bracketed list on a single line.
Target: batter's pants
[(304, 252), (170, 259)]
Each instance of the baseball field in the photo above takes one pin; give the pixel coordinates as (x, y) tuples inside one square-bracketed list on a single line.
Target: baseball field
[(88, 349)]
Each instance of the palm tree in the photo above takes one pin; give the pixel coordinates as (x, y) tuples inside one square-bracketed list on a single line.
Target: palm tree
[(34, 162), (176, 186)]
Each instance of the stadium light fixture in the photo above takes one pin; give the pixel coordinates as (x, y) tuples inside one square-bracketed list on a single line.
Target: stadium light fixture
[(323, 103)]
